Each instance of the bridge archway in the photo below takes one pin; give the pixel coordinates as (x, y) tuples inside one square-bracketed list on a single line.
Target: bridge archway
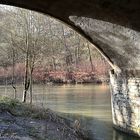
[(112, 26)]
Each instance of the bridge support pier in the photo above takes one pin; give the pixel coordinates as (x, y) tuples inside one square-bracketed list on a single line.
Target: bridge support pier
[(125, 90)]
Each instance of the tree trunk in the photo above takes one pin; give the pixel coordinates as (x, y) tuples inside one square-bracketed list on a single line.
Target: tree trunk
[(13, 76), (24, 96), (26, 79), (90, 58), (31, 86), (5, 82), (31, 89), (68, 56), (77, 55), (15, 90)]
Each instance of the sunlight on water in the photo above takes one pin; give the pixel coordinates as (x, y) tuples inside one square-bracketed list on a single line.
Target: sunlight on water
[(90, 104)]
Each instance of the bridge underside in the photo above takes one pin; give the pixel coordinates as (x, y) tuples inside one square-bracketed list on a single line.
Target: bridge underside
[(114, 28)]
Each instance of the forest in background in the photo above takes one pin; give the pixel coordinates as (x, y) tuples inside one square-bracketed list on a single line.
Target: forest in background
[(35, 48)]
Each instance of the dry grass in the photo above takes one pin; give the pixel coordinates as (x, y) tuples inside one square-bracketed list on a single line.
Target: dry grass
[(17, 108)]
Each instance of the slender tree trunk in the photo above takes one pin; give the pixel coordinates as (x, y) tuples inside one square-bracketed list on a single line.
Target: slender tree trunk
[(24, 96), (26, 79), (31, 88), (77, 55), (15, 93), (31, 68), (90, 58), (68, 56), (13, 76), (53, 58), (54, 64)]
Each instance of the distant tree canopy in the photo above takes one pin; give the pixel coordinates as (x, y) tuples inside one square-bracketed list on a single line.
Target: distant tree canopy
[(39, 45)]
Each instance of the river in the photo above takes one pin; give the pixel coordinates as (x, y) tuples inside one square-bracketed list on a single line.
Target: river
[(90, 104)]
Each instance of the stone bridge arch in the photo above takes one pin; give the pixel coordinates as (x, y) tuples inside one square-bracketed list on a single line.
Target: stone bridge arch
[(114, 28)]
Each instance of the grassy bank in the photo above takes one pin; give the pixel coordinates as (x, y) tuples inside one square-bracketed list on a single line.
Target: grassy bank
[(25, 121)]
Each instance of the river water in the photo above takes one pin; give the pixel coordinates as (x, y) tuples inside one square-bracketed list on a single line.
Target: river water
[(90, 104)]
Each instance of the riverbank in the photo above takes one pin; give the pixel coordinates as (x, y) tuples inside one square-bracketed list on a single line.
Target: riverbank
[(20, 121)]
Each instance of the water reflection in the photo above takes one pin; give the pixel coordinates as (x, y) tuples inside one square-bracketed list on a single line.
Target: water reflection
[(90, 104)]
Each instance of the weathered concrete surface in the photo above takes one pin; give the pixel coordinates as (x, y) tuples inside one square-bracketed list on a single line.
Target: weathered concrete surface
[(122, 45), (112, 25), (125, 88)]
